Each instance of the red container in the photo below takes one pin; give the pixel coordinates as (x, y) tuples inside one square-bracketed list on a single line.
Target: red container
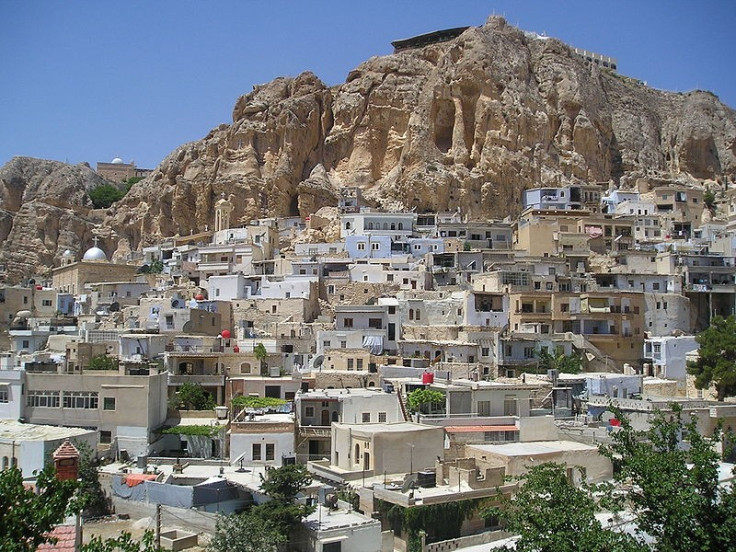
[(225, 334), (427, 378), (236, 349)]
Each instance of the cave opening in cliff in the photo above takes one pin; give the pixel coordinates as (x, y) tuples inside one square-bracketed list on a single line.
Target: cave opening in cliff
[(444, 121), (294, 206)]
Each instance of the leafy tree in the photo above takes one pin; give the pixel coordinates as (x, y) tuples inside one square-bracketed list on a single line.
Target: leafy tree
[(96, 503), (259, 351), (245, 533), (282, 485), (709, 199), (672, 472), (26, 517), (124, 543), (105, 195), (192, 396), (420, 400), (103, 362), (551, 515), (568, 364), (156, 267), (716, 362)]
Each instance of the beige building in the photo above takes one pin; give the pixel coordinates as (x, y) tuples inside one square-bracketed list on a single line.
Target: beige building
[(94, 267), (124, 409), (119, 171)]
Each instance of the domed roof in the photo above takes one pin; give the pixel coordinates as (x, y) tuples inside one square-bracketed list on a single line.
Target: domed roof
[(94, 254), (68, 253), (117, 161)]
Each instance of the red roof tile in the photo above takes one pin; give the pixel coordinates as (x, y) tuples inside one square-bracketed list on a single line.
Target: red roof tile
[(66, 537)]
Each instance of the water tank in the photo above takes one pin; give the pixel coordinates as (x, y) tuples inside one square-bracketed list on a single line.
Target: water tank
[(427, 378), (141, 462)]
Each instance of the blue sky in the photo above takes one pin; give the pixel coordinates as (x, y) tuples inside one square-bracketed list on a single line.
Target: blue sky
[(92, 80)]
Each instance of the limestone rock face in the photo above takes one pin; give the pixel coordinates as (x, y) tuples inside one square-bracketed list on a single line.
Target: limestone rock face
[(468, 123), (44, 210)]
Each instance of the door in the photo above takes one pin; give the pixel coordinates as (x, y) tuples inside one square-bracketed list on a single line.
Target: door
[(325, 417)]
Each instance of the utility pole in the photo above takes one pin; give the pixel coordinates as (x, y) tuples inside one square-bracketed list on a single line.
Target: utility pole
[(158, 525)]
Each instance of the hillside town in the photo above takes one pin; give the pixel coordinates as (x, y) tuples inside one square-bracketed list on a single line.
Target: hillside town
[(405, 359)]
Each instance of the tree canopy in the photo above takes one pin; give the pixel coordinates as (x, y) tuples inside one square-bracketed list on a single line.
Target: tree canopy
[(550, 514), (420, 400), (105, 195), (716, 363), (568, 364), (192, 396), (26, 516), (264, 527), (672, 472)]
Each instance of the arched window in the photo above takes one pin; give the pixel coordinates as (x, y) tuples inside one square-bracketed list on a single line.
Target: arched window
[(347, 226), (401, 226), (357, 453), (385, 226), (393, 226), (245, 368), (419, 314), (411, 314), (370, 226), (334, 416), (371, 384)]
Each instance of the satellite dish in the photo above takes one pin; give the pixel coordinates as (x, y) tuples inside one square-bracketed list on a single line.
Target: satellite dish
[(175, 303), (317, 361)]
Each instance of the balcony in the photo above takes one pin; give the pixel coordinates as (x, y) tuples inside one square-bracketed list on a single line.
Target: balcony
[(208, 380), (306, 432)]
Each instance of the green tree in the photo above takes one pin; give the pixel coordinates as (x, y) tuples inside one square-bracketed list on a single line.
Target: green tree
[(282, 486), (551, 515), (25, 516), (245, 533), (672, 473), (259, 351), (95, 501), (105, 195), (709, 200), (192, 396), (103, 362), (716, 363), (568, 364), (420, 400), (123, 543)]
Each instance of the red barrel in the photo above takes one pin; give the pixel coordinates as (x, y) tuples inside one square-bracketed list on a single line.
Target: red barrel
[(427, 378)]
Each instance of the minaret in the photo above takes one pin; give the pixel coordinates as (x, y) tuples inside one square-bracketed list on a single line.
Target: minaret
[(223, 208)]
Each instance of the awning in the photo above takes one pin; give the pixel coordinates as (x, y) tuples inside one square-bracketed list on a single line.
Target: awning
[(479, 428)]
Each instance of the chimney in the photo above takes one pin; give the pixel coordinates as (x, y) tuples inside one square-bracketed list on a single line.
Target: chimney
[(66, 462)]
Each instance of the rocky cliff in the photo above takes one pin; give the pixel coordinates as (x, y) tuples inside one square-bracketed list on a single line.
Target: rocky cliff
[(468, 123), (44, 210)]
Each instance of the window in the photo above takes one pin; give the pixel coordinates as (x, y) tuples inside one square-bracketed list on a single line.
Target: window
[(375, 323), (108, 403), (359, 364), (528, 352), (389, 277), (564, 307), (326, 343), (80, 399), (350, 363), (382, 417), (348, 323), (361, 246), (485, 351), (46, 302), (309, 412), (4, 395), (366, 418), (169, 321), (105, 437), (343, 344), (375, 246), (256, 451), (43, 399), (270, 451), (392, 308)]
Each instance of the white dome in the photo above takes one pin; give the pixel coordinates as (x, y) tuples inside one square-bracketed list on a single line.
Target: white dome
[(68, 253), (117, 161), (94, 254)]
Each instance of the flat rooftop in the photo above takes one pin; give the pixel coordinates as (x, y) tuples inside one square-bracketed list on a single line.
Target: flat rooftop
[(535, 447), (16, 431)]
